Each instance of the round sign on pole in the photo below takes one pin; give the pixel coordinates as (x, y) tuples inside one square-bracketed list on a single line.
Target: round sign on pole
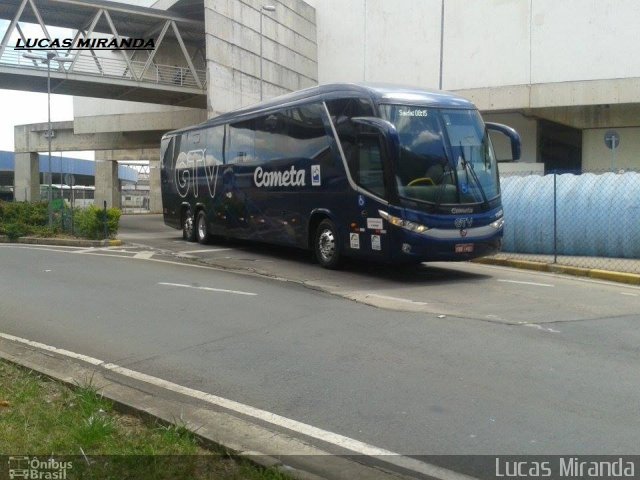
[(69, 179), (612, 139)]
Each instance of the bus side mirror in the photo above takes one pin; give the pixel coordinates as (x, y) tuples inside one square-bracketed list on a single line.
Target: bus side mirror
[(513, 136), (387, 130)]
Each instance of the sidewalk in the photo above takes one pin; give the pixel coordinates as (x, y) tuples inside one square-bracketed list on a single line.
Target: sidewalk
[(623, 270)]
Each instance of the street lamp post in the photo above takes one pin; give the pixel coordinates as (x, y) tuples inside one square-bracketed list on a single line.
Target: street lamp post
[(265, 8), (47, 60), (441, 44)]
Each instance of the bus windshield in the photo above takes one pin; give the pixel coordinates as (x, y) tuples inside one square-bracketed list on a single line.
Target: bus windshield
[(445, 155)]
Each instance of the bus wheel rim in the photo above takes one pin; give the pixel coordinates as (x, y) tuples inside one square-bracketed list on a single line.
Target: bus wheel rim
[(188, 225), (202, 230), (327, 245)]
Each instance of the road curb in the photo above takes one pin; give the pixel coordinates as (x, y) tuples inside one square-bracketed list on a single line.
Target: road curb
[(215, 428), (62, 242), (620, 277)]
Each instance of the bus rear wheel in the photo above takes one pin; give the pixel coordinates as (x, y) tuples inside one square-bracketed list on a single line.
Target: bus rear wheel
[(188, 230), (202, 230), (327, 245)]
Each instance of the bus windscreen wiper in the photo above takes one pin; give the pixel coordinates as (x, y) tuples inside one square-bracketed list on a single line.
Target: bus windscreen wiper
[(469, 170), (447, 170)]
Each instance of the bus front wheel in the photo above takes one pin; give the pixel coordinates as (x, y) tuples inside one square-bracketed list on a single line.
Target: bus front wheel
[(188, 230), (202, 230), (327, 245)]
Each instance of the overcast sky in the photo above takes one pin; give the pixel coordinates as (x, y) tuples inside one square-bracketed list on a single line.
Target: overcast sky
[(20, 107)]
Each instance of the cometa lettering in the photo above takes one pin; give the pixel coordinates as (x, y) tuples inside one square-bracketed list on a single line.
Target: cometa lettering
[(287, 178)]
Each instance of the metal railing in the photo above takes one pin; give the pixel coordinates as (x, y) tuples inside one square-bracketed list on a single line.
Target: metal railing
[(114, 68)]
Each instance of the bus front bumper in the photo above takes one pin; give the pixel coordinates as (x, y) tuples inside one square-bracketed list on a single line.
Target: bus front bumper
[(414, 247)]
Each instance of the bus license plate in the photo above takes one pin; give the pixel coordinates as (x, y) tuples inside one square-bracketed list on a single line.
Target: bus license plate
[(464, 248)]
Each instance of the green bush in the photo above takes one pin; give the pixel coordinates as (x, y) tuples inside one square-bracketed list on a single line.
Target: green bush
[(18, 219), (23, 212), (14, 230), (89, 222)]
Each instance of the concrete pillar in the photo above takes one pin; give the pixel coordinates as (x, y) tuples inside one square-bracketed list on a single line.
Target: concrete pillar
[(107, 182), (155, 195), (26, 180)]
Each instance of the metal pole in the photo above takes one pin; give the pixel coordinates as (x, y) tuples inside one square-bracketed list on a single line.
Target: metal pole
[(50, 196), (441, 43), (106, 232), (73, 201), (555, 219), (261, 15)]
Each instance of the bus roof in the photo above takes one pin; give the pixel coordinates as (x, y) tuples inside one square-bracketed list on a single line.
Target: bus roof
[(380, 93)]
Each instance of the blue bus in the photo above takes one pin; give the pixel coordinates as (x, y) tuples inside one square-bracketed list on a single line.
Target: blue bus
[(384, 173)]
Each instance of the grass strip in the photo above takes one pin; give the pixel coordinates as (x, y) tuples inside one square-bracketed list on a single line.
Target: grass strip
[(42, 417)]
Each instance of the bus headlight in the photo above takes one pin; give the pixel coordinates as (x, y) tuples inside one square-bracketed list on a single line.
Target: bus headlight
[(498, 224), (406, 224)]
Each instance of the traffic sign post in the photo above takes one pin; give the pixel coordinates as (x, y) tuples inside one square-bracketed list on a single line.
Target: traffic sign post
[(612, 141), (70, 180)]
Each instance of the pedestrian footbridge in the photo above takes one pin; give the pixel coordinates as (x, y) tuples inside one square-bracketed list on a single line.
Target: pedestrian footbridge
[(173, 73)]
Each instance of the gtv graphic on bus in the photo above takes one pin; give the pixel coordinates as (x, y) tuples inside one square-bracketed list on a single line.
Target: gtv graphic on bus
[(387, 174)]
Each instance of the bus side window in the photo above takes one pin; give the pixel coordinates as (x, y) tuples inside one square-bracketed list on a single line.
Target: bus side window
[(241, 142), (349, 108), (294, 134), (271, 137), (308, 137), (213, 146), (177, 146), (361, 146), (369, 170), (166, 165)]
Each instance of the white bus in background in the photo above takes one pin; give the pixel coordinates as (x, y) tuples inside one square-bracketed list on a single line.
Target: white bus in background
[(82, 195)]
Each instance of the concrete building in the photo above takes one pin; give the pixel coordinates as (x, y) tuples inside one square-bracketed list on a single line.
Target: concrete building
[(560, 72), (83, 171)]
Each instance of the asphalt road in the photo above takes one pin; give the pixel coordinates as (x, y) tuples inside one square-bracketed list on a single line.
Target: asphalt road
[(519, 363)]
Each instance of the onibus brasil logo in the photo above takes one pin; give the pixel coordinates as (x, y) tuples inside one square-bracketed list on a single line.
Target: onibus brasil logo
[(34, 468)]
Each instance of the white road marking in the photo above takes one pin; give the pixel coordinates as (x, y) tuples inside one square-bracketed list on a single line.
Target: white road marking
[(540, 327), (49, 348), (397, 299), (96, 253), (207, 250), (263, 415), (557, 276), (629, 294), (526, 283), (144, 255), (85, 250), (208, 289), (104, 249)]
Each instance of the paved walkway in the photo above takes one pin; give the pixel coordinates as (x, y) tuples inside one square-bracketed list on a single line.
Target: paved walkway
[(625, 270), (628, 265)]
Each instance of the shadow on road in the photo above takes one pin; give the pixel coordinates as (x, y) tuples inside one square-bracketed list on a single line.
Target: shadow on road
[(424, 273), (150, 229)]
